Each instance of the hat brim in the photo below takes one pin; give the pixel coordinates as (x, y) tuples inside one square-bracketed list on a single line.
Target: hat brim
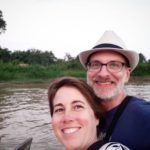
[(132, 56)]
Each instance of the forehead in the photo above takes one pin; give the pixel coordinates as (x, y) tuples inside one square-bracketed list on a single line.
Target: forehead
[(68, 95), (107, 56)]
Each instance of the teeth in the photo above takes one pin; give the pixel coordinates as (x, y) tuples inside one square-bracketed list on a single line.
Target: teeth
[(70, 130), (104, 82)]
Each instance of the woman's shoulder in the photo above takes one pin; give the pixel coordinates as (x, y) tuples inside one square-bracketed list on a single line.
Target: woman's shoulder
[(113, 146), (101, 145)]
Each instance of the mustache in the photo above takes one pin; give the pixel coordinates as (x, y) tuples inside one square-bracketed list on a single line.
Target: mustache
[(99, 79)]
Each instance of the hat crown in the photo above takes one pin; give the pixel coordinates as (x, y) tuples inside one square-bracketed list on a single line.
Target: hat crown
[(110, 37)]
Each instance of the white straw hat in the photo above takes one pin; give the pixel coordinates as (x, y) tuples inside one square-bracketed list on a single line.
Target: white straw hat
[(110, 41)]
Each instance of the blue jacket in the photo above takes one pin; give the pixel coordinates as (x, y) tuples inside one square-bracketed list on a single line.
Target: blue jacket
[(133, 126)]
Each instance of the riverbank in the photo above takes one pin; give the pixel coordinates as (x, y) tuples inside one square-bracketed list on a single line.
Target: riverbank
[(139, 80), (133, 80), (34, 73)]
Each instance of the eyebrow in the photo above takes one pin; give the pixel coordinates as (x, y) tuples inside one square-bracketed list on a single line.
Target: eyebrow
[(74, 102), (58, 105), (78, 101)]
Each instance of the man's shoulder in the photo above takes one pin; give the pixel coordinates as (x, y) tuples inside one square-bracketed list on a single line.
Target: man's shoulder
[(139, 106), (139, 102)]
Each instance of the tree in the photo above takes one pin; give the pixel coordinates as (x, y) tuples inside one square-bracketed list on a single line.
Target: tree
[(2, 23), (142, 58), (4, 55), (34, 56), (68, 57)]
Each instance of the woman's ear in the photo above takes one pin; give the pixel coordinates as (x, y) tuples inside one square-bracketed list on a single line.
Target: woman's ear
[(97, 122)]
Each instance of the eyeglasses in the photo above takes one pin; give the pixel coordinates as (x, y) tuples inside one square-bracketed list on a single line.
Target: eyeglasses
[(112, 66)]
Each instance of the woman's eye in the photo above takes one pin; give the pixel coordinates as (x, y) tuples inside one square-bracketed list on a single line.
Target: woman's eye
[(58, 110), (78, 107)]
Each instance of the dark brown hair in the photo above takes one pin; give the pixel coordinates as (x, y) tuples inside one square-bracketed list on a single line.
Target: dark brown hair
[(80, 85)]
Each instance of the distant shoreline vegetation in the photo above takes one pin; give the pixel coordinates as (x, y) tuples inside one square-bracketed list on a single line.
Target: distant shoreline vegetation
[(35, 65), (33, 72)]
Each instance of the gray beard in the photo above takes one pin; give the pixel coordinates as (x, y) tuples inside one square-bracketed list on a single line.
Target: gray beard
[(109, 94)]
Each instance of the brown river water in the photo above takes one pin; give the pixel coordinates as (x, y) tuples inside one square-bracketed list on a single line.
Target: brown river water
[(24, 113)]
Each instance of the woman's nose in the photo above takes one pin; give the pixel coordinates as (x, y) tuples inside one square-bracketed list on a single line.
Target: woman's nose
[(68, 117)]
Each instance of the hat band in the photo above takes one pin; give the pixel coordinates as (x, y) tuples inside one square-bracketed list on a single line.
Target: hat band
[(107, 45)]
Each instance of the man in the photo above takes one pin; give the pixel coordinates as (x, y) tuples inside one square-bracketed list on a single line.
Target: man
[(126, 118)]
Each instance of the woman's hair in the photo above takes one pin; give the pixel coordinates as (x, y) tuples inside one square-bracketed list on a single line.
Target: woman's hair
[(80, 85)]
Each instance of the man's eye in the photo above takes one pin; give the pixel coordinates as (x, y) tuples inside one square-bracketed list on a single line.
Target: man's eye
[(114, 65), (94, 64)]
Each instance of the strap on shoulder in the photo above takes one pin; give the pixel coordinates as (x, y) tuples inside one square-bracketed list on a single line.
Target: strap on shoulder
[(116, 117)]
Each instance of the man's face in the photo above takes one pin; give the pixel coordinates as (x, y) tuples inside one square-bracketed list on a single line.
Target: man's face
[(106, 83)]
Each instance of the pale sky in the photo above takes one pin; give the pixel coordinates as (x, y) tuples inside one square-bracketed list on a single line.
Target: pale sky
[(72, 26)]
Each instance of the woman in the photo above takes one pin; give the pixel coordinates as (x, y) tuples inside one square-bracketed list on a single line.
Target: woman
[(75, 113)]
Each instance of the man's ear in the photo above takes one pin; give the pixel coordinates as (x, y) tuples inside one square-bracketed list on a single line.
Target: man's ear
[(128, 73)]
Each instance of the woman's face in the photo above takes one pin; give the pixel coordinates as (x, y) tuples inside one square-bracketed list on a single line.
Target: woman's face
[(73, 119)]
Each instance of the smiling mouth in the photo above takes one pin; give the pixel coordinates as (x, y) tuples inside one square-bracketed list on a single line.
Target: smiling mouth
[(104, 83), (70, 130)]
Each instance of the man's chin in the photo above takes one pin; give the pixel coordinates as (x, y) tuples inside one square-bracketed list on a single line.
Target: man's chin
[(105, 96)]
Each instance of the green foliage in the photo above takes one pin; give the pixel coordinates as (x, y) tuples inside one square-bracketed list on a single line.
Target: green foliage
[(33, 56), (9, 71), (143, 69), (142, 58), (2, 23), (34, 64), (4, 55)]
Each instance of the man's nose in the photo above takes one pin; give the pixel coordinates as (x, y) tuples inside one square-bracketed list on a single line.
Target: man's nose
[(103, 71)]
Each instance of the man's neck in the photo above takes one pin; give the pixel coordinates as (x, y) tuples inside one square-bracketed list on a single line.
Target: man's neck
[(110, 104)]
